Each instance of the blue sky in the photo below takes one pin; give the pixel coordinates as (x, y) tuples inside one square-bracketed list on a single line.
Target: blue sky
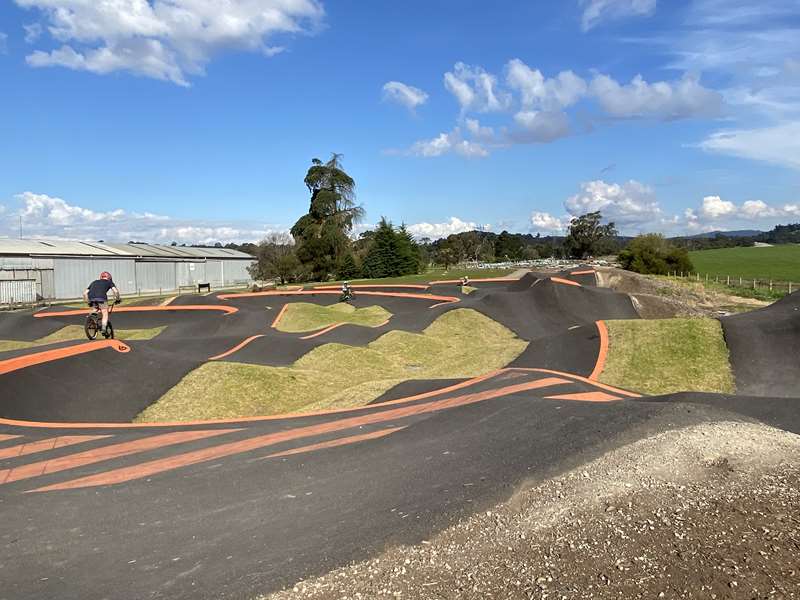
[(195, 120)]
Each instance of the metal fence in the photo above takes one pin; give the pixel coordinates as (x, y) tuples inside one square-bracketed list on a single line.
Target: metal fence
[(771, 285), (17, 291)]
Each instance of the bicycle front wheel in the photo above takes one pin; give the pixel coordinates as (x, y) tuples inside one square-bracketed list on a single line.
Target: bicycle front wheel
[(92, 327)]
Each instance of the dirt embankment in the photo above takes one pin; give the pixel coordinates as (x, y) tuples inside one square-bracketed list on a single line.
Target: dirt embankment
[(709, 511), (659, 298)]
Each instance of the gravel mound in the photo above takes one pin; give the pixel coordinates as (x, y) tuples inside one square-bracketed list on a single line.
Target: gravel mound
[(708, 511)]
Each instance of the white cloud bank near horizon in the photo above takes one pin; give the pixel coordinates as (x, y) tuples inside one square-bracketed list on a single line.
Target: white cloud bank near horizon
[(632, 205), (634, 208), (50, 217), (169, 40)]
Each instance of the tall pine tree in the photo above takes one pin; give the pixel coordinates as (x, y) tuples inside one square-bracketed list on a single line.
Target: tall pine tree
[(322, 235)]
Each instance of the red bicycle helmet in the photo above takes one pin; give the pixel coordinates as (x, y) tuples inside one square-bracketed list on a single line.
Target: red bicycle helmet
[(105, 275)]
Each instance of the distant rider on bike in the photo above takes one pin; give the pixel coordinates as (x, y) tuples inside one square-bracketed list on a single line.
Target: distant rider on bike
[(347, 292), (96, 295)]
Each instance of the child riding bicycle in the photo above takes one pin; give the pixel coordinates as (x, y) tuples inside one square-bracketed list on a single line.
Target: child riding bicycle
[(96, 295)]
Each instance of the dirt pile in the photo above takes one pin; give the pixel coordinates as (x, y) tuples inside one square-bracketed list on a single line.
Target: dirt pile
[(709, 511), (660, 298)]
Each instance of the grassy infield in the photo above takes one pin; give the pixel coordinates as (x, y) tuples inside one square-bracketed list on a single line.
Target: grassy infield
[(303, 316), (335, 375), (668, 355)]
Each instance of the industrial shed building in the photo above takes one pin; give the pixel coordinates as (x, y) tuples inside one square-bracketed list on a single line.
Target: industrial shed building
[(58, 270)]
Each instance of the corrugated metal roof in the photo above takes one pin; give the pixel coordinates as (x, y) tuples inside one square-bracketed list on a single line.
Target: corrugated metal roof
[(55, 247), (70, 248)]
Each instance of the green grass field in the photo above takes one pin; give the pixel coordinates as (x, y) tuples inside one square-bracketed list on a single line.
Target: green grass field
[(302, 316), (779, 263), (662, 356)]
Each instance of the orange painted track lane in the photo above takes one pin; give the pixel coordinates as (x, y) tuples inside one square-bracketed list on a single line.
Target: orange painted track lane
[(360, 286), (322, 331), (223, 450), (237, 347), (325, 330), (104, 453), (4, 437), (565, 281), (345, 441), (596, 384), (47, 444), (484, 280), (334, 292), (585, 397), (38, 358), (603, 352), (228, 310), (589, 272), (279, 316)]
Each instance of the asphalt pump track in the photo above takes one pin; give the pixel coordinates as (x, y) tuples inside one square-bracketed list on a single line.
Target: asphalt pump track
[(94, 506)]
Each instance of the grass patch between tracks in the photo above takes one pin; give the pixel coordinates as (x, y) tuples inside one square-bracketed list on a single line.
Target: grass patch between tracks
[(74, 333), (304, 316), (663, 356), (460, 343)]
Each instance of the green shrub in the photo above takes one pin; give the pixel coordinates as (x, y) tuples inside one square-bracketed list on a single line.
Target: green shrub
[(651, 254)]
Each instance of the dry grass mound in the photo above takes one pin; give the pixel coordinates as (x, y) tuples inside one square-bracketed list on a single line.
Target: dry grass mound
[(460, 343)]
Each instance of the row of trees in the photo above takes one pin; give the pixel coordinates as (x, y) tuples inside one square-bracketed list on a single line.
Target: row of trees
[(321, 246)]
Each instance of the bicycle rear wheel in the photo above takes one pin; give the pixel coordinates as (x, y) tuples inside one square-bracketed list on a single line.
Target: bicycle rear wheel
[(92, 327)]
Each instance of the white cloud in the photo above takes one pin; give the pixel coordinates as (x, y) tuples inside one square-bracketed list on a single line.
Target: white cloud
[(631, 204), (435, 231), (543, 222), (715, 213), (715, 207), (46, 216), (662, 100), (32, 32), (405, 95), (538, 104), (475, 89), (779, 144), (164, 39), (758, 209), (540, 126), (538, 92), (479, 132), (445, 143), (598, 11), (754, 47), (3, 43)]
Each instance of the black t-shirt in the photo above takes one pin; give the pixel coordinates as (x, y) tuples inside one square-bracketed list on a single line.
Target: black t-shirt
[(98, 290)]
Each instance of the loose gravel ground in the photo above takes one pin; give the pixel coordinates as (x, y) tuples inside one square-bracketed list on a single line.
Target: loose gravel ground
[(707, 511), (660, 298)]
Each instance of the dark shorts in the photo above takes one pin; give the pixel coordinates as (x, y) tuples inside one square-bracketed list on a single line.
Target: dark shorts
[(99, 303)]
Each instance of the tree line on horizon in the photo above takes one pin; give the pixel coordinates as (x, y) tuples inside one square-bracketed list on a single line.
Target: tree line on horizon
[(321, 246)]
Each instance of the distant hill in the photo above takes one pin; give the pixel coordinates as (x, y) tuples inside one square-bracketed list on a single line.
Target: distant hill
[(739, 233)]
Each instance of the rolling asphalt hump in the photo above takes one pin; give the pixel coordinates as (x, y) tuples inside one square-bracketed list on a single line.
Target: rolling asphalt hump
[(98, 507)]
